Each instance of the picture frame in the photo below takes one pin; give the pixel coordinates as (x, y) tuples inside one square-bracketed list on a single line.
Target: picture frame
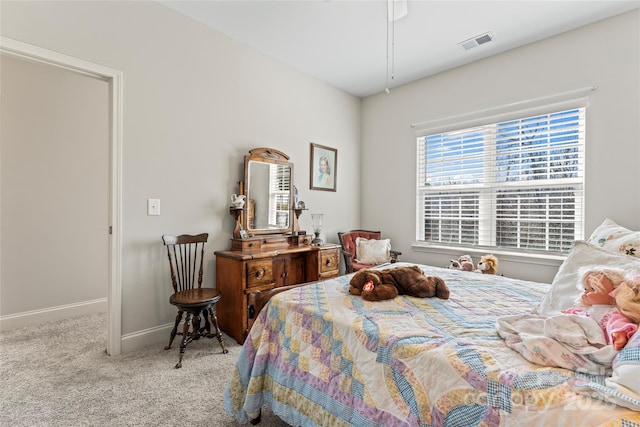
[(323, 168)]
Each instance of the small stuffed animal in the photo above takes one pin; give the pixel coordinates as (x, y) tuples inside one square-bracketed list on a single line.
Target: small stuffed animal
[(464, 263), (488, 264), (454, 265), (378, 285)]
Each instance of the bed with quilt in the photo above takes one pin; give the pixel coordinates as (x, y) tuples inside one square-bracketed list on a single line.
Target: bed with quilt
[(319, 356)]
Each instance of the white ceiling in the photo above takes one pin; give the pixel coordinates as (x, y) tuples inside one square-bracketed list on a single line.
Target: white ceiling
[(344, 42)]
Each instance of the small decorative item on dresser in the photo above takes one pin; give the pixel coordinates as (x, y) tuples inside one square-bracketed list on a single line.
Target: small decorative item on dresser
[(317, 228), (237, 200)]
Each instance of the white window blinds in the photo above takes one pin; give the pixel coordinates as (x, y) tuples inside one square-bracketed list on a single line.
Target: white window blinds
[(516, 184)]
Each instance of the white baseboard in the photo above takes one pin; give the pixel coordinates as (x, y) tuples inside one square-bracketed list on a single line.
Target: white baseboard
[(158, 335), (52, 314)]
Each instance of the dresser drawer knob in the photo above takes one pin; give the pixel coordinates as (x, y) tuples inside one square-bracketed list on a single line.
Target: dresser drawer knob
[(260, 273)]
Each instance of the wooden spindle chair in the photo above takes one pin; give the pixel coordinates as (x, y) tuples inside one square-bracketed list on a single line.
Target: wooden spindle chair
[(186, 259)]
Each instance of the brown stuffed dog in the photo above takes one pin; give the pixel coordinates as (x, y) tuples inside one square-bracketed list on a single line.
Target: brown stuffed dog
[(488, 264), (378, 285)]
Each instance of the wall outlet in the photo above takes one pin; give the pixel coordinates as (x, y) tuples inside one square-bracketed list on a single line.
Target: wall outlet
[(153, 207)]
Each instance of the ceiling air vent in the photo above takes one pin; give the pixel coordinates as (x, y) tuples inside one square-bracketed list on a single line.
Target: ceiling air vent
[(476, 41)]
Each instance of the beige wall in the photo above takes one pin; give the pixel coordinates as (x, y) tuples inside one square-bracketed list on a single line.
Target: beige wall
[(195, 102), (605, 54), (54, 130)]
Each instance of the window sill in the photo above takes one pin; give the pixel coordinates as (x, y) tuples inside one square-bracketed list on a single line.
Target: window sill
[(503, 255)]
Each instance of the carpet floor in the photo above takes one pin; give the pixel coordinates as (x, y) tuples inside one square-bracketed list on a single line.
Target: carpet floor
[(59, 375)]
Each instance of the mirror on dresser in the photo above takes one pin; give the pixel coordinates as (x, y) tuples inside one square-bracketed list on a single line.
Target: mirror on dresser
[(268, 177)]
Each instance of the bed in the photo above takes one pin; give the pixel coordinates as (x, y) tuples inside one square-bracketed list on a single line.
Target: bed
[(318, 356)]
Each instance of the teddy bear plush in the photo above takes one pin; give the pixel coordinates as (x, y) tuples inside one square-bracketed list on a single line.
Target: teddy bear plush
[(378, 285), (488, 264)]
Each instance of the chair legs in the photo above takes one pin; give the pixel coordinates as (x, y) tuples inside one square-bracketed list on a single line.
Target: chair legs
[(217, 334), (186, 338), (192, 330), (174, 331), (207, 324)]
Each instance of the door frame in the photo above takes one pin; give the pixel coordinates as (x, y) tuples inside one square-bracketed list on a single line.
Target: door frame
[(114, 77)]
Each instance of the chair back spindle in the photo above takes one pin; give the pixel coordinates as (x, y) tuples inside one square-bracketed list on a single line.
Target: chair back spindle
[(186, 260)]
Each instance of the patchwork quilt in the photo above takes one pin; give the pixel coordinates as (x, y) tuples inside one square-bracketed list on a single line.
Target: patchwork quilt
[(319, 356)]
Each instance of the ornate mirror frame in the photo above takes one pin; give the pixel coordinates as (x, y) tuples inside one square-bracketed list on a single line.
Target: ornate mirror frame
[(269, 198)]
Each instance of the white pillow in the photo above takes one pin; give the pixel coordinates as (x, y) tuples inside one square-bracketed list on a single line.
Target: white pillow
[(564, 289), (372, 251), (616, 238)]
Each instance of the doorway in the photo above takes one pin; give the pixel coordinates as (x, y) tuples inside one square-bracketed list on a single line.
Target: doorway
[(57, 237)]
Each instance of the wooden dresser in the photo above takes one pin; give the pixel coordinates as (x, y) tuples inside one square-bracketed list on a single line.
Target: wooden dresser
[(268, 251), (265, 263)]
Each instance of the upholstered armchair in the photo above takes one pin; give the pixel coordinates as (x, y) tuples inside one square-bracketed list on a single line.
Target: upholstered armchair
[(365, 249)]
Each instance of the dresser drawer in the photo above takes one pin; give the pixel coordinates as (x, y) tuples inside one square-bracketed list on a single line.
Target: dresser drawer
[(259, 272), (329, 260)]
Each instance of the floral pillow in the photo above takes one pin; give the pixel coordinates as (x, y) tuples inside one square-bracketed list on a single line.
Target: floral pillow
[(616, 238), (372, 251)]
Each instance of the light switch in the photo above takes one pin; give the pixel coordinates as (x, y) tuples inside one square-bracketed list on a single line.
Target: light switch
[(153, 207)]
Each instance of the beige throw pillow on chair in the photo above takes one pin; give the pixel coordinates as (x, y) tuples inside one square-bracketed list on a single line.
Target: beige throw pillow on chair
[(371, 251)]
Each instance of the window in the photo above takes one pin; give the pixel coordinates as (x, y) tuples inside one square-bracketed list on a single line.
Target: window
[(516, 184)]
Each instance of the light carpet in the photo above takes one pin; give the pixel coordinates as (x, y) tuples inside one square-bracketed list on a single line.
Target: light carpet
[(58, 374)]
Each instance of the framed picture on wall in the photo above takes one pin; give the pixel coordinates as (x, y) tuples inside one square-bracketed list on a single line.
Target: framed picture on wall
[(324, 165)]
